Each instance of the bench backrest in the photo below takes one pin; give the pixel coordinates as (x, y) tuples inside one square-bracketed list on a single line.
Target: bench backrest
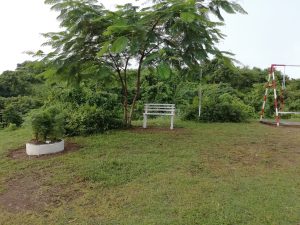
[(160, 109)]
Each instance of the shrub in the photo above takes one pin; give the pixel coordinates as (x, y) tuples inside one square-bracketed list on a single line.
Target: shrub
[(11, 115), (14, 109), (87, 120), (11, 127), (24, 104), (87, 110), (218, 106), (47, 124)]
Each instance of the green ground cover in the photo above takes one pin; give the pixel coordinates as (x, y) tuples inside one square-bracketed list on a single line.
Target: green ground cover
[(197, 174)]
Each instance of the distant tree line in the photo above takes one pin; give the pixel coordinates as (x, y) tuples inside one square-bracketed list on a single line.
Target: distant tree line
[(229, 94)]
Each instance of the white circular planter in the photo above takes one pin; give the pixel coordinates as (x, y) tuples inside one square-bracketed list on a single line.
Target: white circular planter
[(42, 149)]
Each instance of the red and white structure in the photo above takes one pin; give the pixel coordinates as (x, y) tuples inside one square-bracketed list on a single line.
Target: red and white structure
[(278, 103)]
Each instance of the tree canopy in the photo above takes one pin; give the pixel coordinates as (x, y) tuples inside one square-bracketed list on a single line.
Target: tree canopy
[(101, 44)]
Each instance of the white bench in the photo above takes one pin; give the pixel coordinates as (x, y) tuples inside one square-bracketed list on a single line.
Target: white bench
[(159, 110)]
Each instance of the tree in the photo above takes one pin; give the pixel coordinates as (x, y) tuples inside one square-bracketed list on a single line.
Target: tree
[(168, 35), (20, 82)]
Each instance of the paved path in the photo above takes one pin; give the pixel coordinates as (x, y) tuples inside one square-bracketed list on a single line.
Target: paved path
[(282, 123)]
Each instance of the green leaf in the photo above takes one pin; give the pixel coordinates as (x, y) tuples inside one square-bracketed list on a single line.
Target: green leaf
[(227, 7), (238, 8), (187, 17), (163, 70), (103, 50), (120, 44), (151, 57), (116, 29)]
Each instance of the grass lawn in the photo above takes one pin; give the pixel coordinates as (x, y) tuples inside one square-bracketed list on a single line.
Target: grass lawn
[(204, 174)]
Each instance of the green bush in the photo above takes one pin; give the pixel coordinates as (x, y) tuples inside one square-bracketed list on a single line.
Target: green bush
[(219, 106), (24, 104), (87, 120), (87, 110), (11, 127), (84, 96), (15, 108), (47, 124), (11, 115)]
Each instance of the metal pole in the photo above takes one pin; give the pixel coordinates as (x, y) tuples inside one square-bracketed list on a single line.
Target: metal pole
[(275, 98), (265, 96), (283, 81), (200, 94)]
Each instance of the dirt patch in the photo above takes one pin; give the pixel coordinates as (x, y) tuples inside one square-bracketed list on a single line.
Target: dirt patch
[(32, 193), (20, 153)]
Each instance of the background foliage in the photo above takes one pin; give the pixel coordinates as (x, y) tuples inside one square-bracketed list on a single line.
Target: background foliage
[(91, 79), (230, 94)]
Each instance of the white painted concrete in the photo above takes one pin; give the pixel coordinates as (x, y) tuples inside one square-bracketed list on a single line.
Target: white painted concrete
[(34, 149)]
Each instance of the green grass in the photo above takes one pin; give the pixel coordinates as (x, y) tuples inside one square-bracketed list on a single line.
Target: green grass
[(208, 174)]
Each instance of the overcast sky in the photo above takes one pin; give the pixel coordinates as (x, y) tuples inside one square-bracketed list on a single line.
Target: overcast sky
[(268, 34)]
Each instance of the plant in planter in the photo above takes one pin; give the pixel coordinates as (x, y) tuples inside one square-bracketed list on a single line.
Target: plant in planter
[(48, 129)]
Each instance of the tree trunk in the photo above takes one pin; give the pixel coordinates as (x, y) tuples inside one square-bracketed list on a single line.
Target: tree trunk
[(138, 89), (125, 108), (125, 93)]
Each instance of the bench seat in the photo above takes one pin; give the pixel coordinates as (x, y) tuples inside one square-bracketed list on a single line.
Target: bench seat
[(159, 110)]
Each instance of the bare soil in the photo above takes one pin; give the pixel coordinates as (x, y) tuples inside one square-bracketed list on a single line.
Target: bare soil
[(20, 153), (31, 193)]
